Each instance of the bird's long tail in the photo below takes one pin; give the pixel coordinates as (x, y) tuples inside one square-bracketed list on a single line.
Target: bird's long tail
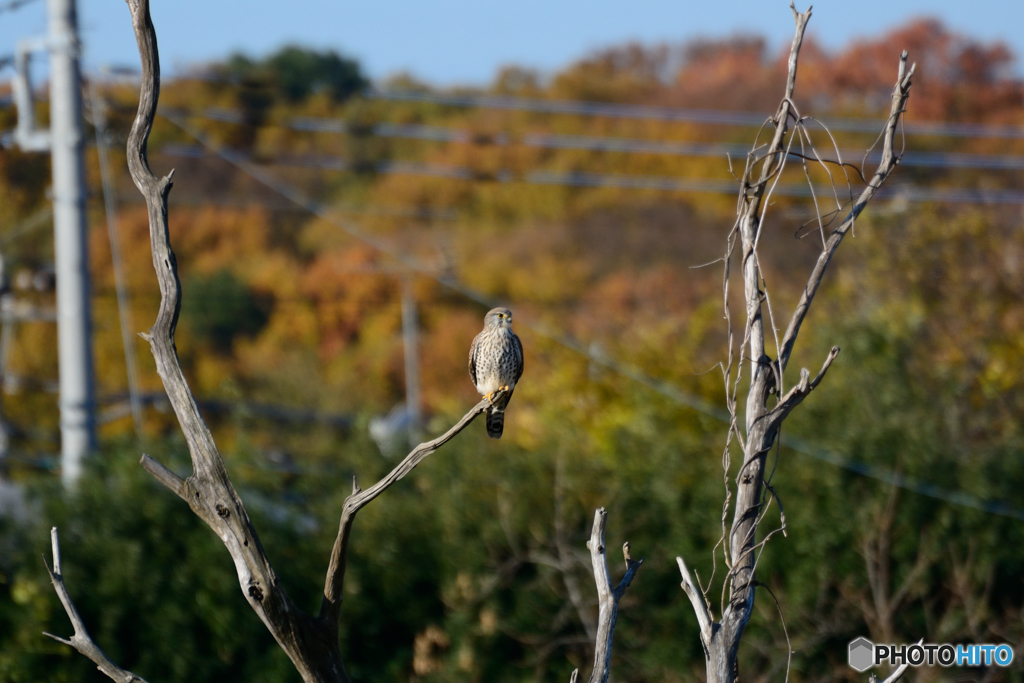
[(495, 422)]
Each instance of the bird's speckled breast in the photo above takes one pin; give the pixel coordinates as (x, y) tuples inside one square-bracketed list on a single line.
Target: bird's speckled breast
[(495, 361)]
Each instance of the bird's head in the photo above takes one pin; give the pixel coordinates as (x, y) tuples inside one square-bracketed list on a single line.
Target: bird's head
[(498, 317)]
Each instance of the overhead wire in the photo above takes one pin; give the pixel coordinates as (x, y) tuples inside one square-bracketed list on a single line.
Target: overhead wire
[(242, 202), (598, 143), (706, 116), (724, 117), (123, 296), (13, 5), (904, 192), (36, 220), (629, 371), (898, 191)]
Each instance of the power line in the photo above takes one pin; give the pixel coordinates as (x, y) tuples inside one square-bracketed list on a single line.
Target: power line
[(13, 5), (36, 220), (904, 192), (708, 116), (721, 150), (725, 117), (904, 482), (269, 411), (196, 199), (99, 111), (897, 191), (631, 372), (593, 143)]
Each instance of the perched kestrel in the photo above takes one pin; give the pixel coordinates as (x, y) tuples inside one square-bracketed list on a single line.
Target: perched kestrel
[(496, 363)]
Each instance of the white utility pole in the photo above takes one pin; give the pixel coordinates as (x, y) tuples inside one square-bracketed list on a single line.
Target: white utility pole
[(74, 320)]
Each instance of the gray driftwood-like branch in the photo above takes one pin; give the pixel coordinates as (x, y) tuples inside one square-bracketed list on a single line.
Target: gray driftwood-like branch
[(608, 596), (209, 491), (699, 604), (311, 642), (890, 159), (760, 422), (81, 640), (331, 604)]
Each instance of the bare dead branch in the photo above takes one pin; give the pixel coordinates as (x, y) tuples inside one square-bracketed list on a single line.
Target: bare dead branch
[(330, 606), (759, 547), (890, 159), (843, 165), (761, 424), (608, 596), (824, 163), (730, 400), (209, 491), (164, 476), (803, 137), (81, 640), (699, 603), (311, 643), (777, 380), (797, 394), (762, 379)]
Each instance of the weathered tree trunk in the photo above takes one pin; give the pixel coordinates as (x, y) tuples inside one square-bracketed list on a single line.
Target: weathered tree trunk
[(762, 422)]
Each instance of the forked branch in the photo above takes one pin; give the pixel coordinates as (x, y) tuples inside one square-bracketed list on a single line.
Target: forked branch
[(608, 595), (81, 640), (764, 167), (763, 379), (699, 604), (208, 491), (890, 159), (802, 390), (330, 606)]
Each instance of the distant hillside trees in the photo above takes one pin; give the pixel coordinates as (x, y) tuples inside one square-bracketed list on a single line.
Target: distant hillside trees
[(220, 307), (296, 72)]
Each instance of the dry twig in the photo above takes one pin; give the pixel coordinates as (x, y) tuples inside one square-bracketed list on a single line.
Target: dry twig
[(81, 640)]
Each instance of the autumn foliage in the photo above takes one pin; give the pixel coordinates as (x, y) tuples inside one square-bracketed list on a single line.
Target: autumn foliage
[(293, 308)]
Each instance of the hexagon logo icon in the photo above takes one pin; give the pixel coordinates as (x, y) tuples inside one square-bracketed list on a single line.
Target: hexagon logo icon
[(862, 654)]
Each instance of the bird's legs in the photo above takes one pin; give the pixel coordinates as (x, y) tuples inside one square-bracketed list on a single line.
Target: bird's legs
[(490, 395)]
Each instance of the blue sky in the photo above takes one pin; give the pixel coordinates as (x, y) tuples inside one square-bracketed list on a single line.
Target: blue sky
[(464, 41)]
